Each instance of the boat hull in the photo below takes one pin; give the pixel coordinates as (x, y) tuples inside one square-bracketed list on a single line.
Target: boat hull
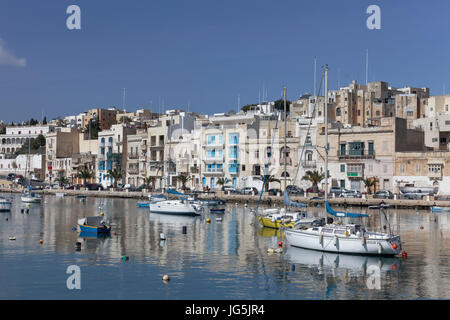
[(173, 207), (30, 200), (143, 204), (97, 230), (342, 244), (5, 206), (275, 223)]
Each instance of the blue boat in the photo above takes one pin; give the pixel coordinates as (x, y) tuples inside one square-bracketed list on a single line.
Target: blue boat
[(143, 204), (95, 224), (217, 210), (5, 205), (440, 209)]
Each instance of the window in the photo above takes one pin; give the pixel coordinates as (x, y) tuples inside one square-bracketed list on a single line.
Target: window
[(402, 168), (342, 167), (338, 112), (243, 167)]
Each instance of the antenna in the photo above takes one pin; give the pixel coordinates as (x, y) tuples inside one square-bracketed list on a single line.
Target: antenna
[(367, 66), (239, 103), (315, 76), (123, 100)]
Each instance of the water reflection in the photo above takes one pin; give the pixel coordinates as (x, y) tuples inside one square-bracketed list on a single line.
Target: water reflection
[(224, 259)]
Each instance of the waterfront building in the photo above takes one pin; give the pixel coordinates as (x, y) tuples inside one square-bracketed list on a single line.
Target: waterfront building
[(23, 164), (17, 136), (437, 131), (104, 117), (356, 153), (112, 152), (136, 169)]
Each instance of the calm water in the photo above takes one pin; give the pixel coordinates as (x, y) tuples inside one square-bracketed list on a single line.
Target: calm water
[(225, 259)]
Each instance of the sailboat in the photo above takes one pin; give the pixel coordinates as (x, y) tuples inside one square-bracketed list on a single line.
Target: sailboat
[(29, 197), (277, 218), (347, 238), (5, 204)]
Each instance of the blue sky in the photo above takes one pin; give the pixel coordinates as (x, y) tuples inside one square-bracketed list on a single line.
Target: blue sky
[(207, 52)]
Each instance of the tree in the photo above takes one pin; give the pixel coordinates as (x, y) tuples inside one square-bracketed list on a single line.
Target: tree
[(248, 107), (150, 180), (116, 175), (184, 179), (222, 182), (85, 174), (279, 104), (314, 177), (62, 180), (92, 128), (369, 183), (44, 121), (269, 178)]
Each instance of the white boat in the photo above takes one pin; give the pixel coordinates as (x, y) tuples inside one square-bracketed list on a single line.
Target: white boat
[(60, 194), (5, 204), (157, 198), (440, 209), (30, 198), (175, 207), (349, 238)]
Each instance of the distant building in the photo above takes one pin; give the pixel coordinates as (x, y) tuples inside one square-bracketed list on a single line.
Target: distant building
[(15, 137)]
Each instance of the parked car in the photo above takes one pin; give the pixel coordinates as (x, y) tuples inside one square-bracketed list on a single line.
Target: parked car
[(94, 186), (249, 190), (383, 194), (336, 190), (413, 196), (74, 187), (350, 194), (129, 187), (294, 190), (228, 188), (274, 192)]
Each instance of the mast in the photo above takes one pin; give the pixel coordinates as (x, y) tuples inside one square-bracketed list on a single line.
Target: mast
[(326, 132), (284, 151)]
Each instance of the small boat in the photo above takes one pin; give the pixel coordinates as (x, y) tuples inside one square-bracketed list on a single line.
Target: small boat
[(5, 205), (80, 196), (175, 207), (217, 210), (440, 209), (60, 194), (143, 204), (96, 224), (275, 218), (30, 198)]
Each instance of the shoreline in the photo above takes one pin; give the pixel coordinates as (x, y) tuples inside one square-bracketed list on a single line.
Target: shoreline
[(249, 199)]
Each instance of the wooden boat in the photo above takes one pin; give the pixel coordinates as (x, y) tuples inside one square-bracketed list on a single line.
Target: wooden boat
[(95, 224)]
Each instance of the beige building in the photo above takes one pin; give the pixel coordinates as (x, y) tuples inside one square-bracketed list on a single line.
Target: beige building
[(105, 117), (356, 153)]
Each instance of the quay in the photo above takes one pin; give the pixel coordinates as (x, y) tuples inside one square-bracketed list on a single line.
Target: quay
[(253, 199)]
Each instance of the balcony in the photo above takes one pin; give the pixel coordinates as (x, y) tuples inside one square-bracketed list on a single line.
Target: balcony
[(133, 156), (216, 171), (435, 171), (133, 171), (288, 161), (357, 155), (308, 164)]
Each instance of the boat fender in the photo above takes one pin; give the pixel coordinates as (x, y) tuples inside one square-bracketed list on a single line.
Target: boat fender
[(380, 248), (363, 241), (404, 255), (280, 244), (166, 278), (162, 236), (347, 233), (336, 240), (321, 238)]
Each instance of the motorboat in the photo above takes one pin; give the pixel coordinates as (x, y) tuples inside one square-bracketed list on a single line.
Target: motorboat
[(436, 209), (277, 218), (5, 204), (175, 207), (95, 224), (157, 198), (143, 204)]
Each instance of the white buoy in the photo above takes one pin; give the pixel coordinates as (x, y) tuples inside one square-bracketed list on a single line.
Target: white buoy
[(270, 250), (12, 238), (162, 236), (218, 219), (165, 277)]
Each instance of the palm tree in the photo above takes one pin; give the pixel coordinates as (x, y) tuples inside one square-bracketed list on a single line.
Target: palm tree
[(150, 180), (85, 174), (369, 183), (222, 182), (184, 179), (269, 178), (62, 180), (116, 175), (314, 177)]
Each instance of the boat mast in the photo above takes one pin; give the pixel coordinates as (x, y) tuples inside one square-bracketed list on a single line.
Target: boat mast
[(284, 151), (326, 132)]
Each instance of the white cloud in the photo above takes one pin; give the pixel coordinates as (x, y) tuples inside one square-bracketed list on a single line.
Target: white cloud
[(8, 58)]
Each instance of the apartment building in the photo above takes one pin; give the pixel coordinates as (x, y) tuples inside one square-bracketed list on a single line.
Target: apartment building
[(356, 153), (104, 117)]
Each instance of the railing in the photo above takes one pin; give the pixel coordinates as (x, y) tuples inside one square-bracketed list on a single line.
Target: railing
[(133, 170), (308, 164), (214, 171), (194, 169), (133, 156), (287, 160), (363, 154)]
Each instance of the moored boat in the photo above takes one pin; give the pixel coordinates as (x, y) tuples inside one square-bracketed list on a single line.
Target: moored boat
[(5, 204), (95, 224), (175, 207), (143, 204), (30, 198)]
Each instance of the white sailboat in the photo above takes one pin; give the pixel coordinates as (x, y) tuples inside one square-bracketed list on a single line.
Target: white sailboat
[(29, 197), (348, 238), (175, 207)]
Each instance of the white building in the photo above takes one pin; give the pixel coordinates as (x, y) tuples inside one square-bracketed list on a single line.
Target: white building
[(15, 137)]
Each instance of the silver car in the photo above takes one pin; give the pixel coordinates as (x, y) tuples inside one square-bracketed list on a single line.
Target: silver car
[(350, 194)]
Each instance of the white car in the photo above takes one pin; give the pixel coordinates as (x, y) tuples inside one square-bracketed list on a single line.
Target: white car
[(350, 194)]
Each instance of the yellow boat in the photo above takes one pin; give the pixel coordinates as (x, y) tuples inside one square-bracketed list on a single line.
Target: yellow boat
[(275, 218)]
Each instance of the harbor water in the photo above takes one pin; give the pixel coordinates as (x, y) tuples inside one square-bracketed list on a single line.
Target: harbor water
[(222, 259)]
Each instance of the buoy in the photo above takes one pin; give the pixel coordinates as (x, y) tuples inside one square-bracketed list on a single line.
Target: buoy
[(280, 244), (394, 246), (335, 242), (162, 236), (6, 219), (270, 250), (208, 220), (293, 267), (421, 227), (125, 258), (102, 214), (363, 241), (41, 241), (321, 238), (165, 278), (115, 233), (404, 255), (12, 238), (74, 229)]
